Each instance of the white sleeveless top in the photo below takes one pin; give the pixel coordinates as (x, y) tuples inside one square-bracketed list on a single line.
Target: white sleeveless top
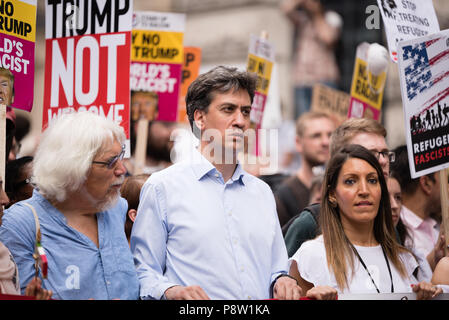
[(312, 266)]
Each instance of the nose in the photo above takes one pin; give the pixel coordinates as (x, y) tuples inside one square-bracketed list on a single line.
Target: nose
[(325, 140), (394, 204), (120, 168), (363, 188), (240, 119), (4, 200)]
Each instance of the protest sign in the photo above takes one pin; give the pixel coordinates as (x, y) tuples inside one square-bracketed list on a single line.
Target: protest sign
[(17, 42), (87, 59), (190, 70), (157, 58), (260, 61), (423, 71), (407, 19), (367, 88), (333, 102)]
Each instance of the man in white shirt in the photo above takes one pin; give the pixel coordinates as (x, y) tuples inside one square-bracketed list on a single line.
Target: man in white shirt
[(205, 228)]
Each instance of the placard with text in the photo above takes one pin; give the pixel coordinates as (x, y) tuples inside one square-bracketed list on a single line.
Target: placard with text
[(367, 90), (87, 59), (424, 77), (190, 71), (407, 19), (157, 58), (17, 43)]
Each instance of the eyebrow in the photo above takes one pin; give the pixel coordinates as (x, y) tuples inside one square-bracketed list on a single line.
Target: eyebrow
[(384, 149), (358, 174)]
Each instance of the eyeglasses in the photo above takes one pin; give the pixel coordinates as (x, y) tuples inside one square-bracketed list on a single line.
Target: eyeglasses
[(111, 163), (390, 155)]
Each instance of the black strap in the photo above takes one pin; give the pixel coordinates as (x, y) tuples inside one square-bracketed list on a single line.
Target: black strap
[(369, 274)]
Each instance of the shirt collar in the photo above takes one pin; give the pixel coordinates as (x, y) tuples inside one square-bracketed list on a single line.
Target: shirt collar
[(201, 167), (414, 220)]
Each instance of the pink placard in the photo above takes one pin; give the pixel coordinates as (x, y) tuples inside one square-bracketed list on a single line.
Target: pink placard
[(161, 78), (17, 55), (359, 109)]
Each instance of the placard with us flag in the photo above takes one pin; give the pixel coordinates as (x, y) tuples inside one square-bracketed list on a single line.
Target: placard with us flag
[(424, 77)]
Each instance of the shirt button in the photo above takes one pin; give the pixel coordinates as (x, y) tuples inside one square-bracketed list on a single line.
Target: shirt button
[(230, 214), (108, 282), (217, 175), (242, 269)]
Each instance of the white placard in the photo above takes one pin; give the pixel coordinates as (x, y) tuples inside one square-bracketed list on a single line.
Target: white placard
[(424, 78), (406, 20)]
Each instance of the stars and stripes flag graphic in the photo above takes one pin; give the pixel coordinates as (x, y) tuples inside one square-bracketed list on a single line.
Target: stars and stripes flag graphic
[(425, 66)]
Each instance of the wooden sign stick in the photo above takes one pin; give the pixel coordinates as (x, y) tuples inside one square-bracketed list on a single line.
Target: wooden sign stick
[(141, 146)]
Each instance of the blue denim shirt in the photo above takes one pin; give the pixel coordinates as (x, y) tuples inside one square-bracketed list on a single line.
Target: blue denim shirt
[(77, 268), (193, 228)]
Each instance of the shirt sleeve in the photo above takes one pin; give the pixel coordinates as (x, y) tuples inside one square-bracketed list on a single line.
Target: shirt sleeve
[(148, 242), (18, 234), (279, 251), (311, 261)]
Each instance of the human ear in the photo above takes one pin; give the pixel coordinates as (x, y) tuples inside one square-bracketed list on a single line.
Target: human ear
[(198, 118), (132, 214), (332, 199), (426, 185), (298, 143)]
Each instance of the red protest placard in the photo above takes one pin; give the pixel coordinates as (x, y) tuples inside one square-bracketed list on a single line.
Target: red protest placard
[(87, 63)]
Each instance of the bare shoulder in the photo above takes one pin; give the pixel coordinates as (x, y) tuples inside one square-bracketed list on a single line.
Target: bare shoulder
[(441, 272)]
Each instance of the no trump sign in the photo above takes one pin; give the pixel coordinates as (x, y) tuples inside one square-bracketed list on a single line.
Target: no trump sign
[(87, 59)]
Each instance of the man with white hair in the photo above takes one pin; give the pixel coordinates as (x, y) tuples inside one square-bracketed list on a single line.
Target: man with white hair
[(77, 174)]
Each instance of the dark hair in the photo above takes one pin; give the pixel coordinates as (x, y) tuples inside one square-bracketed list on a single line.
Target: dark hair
[(338, 249), (13, 170), (10, 133), (220, 79), (130, 190), (400, 169)]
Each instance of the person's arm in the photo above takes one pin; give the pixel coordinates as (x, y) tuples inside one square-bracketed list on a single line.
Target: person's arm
[(437, 252), (327, 33), (441, 273), (148, 245), (282, 286), (289, 8), (148, 242), (17, 233), (294, 272)]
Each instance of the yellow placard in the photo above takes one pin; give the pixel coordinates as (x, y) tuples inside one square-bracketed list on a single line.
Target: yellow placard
[(262, 68), (157, 46), (366, 87), (18, 19)]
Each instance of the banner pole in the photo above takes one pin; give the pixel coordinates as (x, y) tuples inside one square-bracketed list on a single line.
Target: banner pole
[(141, 146)]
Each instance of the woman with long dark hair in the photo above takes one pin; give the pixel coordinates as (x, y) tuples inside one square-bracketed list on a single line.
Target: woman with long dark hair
[(357, 251)]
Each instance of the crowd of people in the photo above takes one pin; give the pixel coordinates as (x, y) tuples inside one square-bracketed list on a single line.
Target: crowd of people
[(204, 228), (82, 222)]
